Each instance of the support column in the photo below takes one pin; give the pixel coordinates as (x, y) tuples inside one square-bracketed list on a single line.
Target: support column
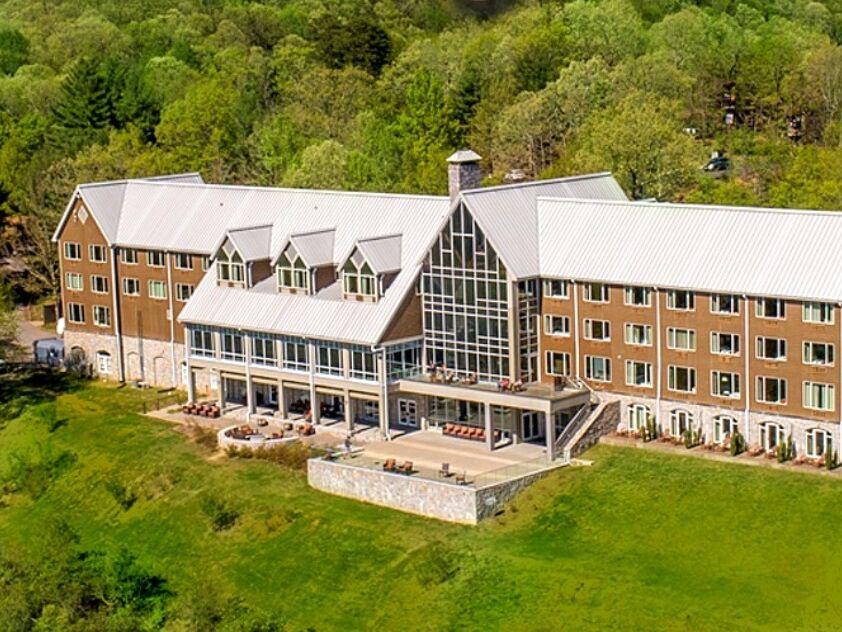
[(549, 432), (349, 417), (489, 429), (249, 386), (282, 400), (314, 399), (191, 386), (221, 392)]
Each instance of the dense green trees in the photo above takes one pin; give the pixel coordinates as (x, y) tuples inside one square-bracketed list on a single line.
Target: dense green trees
[(375, 94)]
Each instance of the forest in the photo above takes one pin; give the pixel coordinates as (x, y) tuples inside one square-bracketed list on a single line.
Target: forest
[(374, 94)]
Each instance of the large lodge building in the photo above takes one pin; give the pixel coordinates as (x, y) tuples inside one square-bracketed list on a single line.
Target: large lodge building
[(708, 318)]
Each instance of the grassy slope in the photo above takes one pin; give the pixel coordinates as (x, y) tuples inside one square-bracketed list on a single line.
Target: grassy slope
[(640, 540)]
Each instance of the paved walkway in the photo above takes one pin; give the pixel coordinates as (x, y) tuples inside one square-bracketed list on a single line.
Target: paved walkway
[(29, 332)]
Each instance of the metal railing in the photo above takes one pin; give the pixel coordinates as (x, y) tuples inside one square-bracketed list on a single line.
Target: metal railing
[(571, 429)]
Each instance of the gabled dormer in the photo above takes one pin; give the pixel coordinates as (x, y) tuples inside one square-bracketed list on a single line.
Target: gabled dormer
[(305, 264), (242, 256), (370, 267)]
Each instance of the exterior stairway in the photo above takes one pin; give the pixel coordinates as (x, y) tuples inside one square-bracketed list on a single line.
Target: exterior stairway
[(593, 420)]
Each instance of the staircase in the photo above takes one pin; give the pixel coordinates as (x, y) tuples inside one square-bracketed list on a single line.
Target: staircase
[(591, 422)]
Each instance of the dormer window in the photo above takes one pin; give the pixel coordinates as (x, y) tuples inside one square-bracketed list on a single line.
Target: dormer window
[(293, 273), (358, 279), (229, 266)]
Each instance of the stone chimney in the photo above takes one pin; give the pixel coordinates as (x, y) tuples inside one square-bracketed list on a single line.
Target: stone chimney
[(463, 172)]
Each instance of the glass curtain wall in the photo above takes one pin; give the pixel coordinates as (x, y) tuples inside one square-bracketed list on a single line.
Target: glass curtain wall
[(528, 315)]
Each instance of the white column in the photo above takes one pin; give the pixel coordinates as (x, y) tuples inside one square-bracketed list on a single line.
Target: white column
[(171, 311), (282, 400), (489, 429), (658, 362), (747, 348), (349, 417), (314, 398), (249, 386), (191, 385), (549, 433)]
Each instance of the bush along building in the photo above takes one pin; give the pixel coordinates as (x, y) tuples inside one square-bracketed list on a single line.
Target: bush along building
[(493, 313)]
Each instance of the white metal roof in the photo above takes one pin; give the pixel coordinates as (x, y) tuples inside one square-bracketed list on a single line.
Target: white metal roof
[(252, 243), (507, 214), (382, 253), (315, 247), (759, 252)]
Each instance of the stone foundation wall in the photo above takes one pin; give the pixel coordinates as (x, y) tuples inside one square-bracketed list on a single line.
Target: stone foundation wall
[(91, 344), (607, 421)]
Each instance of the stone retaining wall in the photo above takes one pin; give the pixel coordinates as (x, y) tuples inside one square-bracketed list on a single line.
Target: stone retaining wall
[(606, 422), (425, 497)]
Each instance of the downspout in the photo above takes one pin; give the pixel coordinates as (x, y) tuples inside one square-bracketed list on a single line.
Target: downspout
[(658, 361), (746, 350), (170, 292), (118, 331)]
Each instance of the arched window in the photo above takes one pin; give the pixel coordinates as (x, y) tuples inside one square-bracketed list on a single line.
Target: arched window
[(103, 362), (680, 422), (637, 414), (358, 277), (229, 265), (292, 272), (771, 435), (724, 427), (818, 443)]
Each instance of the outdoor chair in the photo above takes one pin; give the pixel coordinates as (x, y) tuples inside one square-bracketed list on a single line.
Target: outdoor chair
[(390, 465), (406, 467), (460, 479), (444, 472)]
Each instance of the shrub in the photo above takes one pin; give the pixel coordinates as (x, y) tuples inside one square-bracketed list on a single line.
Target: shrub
[(203, 436), (291, 455), (649, 431), (785, 450), (738, 443), (222, 514), (692, 437), (831, 459)]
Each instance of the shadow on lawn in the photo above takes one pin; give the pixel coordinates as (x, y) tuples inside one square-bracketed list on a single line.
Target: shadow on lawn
[(23, 387)]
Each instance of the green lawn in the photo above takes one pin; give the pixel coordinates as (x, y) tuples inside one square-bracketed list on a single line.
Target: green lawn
[(638, 541)]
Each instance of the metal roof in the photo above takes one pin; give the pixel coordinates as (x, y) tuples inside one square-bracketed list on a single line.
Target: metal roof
[(382, 253), (759, 252), (315, 247), (252, 243), (464, 155), (507, 214)]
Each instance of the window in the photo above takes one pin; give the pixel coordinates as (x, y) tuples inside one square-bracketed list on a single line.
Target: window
[(637, 296), (724, 304), (772, 349), (598, 369), (158, 290), (201, 343), (155, 258), (724, 384), (724, 343), (819, 396), (99, 284), (102, 316), (128, 256), (263, 351), (131, 287), (818, 443), (724, 427), (328, 360), (76, 312), (72, 251), (183, 292), (363, 365), (681, 300), (96, 253), (229, 267), (407, 413), (183, 261), (103, 362), (555, 289), (293, 272), (637, 414), (638, 334), (556, 325), (821, 313), (295, 355), (74, 281), (773, 308), (638, 373), (771, 435), (358, 278), (680, 422), (205, 263), (681, 379), (681, 339), (819, 353), (771, 390), (597, 329), (558, 363), (232, 346), (595, 292)]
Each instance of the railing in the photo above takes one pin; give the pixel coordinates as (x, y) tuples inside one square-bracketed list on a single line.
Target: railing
[(508, 472), (571, 429)]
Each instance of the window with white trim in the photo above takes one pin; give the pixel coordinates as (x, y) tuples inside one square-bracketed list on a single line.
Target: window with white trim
[(681, 339), (230, 267), (724, 343), (128, 256), (292, 272), (74, 282), (680, 422), (681, 379), (556, 325), (201, 343), (725, 384), (639, 335), (636, 416), (157, 290), (636, 296), (771, 435), (97, 253), (183, 292), (72, 251), (770, 308), (263, 350), (103, 362), (558, 363), (818, 442), (770, 390), (99, 284), (131, 287), (295, 355), (595, 292), (597, 330), (102, 316), (75, 313), (818, 313), (183, 261), (681, 300), (771, 349), (724, 427), (556, 288), (818, 396), (598, 368), (725, 304), (638, 373), (363, 364), (328, 359), (155, 259), (232, 346), (358, 279), (819, 353), (205, 263)]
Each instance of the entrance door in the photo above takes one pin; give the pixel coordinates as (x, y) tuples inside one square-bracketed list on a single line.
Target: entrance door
[(532, 426), (407, 413)]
